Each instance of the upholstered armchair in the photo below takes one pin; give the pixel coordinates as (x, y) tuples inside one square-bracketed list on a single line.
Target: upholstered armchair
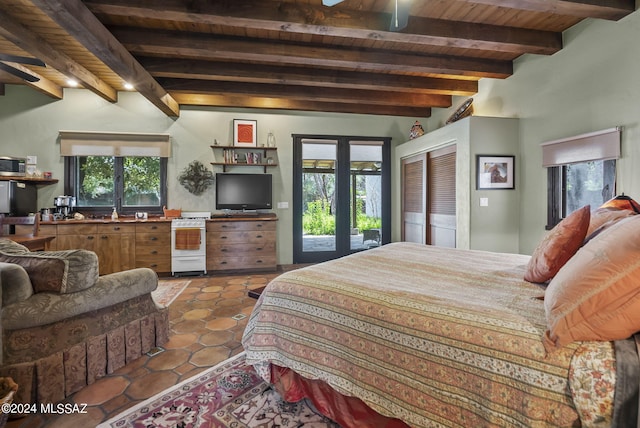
[(64, 326)]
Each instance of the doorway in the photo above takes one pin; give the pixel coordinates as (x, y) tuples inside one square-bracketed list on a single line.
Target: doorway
[(341, 201)]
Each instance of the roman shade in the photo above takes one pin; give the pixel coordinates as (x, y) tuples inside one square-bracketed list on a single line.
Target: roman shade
[(86, 143), (599, 145)]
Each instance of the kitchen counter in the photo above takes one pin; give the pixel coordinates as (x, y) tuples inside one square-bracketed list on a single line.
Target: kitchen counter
[(127, 219)]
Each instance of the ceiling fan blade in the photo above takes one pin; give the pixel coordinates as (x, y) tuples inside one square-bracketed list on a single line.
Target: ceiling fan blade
[(331, 2), (21, 60), (18, 73), (400, 17)]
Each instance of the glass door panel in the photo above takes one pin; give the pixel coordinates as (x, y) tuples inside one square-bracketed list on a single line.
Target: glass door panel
[(366, 194), (319, 160)]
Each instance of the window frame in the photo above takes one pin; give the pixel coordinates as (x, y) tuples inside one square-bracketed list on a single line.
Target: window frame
[(557, 192), (71, 187)]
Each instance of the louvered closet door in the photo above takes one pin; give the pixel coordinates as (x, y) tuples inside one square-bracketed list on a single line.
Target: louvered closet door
[(441, 197), (414, 207)]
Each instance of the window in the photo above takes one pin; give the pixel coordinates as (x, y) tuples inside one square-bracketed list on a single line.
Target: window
[(581, 171), (576, 185), (110, 169), (128, 183)]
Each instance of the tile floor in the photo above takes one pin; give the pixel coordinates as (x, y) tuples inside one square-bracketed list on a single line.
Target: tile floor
[(203, 333)]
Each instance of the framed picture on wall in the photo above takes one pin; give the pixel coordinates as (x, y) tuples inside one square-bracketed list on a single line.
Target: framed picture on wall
[(245, 133), (495, 172)]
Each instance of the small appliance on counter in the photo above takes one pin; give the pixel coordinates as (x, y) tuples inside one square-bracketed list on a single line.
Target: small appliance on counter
[(64, 206), (18, 198)]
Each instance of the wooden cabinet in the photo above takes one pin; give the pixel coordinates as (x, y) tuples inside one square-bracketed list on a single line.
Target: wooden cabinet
[(114, 243), (153, 246), (241, 245)]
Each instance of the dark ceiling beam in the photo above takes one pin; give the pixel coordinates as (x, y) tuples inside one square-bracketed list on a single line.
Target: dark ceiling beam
[(333, 95), (79, 22), (29, 41), (315, 20), (251, 102), (611, 10), (210, 47), (323, 78)]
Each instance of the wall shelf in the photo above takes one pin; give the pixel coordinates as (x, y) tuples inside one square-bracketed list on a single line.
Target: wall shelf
[(248, 156), (34, 180)]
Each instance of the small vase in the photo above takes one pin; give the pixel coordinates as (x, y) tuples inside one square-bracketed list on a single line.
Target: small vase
[(271, 140)]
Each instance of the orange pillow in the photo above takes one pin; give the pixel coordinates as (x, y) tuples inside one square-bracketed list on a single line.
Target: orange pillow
[(604, 215), (558, 246), (596, 295)]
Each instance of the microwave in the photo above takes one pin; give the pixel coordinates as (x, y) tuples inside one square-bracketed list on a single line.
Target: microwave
[(13, 166)]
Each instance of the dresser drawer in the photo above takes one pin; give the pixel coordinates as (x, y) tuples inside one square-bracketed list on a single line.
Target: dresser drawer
[(153, 239), (268, 262), (153, 228), (221, 249), (219, 226), (77, 229), (247, 237), (116, 228)]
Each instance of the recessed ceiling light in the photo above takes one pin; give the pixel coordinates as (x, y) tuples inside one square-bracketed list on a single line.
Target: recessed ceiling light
[(72, 82), (128, 86)]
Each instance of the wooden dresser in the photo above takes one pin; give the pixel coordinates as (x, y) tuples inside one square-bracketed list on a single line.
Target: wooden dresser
[(242, 243)]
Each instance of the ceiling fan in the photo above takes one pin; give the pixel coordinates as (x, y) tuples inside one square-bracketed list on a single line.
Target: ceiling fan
[(400, 16), (21, 60)]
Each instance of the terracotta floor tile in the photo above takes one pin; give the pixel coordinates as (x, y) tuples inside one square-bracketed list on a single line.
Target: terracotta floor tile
[(221, 324), (214, 289), (102, 390), (151, 384), (216, 338), (168, 360), (196, 314), (177, 341), (210, 356), (207, 296)]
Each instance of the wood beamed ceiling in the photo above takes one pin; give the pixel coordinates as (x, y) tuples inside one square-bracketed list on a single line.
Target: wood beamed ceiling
[(285, 54)]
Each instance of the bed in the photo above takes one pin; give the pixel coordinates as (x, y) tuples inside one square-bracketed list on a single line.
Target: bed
[(423, 336)]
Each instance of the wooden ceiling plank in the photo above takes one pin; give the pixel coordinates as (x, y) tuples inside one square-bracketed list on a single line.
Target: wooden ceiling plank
[(346, 96), (163, 43), (611, 10), (236, 72), (77, 20), (296, 18), (243, 101), (37, 46)]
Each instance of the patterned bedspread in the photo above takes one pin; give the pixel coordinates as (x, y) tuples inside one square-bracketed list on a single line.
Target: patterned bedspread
[(433, 336)]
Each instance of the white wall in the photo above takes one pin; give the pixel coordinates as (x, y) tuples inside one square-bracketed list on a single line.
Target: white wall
[(30, 122), (593, 83)]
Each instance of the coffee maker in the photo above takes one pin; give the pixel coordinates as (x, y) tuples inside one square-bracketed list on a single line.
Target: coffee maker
[(64, 206)]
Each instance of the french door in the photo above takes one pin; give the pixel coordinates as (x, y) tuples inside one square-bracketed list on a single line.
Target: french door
[(341, 195)]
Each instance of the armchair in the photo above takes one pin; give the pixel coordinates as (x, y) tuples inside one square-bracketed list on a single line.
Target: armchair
[(64, 327)]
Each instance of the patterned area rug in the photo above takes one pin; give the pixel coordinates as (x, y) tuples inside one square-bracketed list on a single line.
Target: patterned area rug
[(168, 290), (228, 395)]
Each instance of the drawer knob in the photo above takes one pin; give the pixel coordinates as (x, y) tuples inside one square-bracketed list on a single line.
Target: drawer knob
[(116, 228), (154, 227), (258, 236), (154, 252), (154, 238), (223, 250), (89, 237), (258, 261), (259, 249), (154, 265), (223, 263), (104, 237)]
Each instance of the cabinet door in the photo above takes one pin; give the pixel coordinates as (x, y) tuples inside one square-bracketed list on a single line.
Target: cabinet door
[(414, 210)]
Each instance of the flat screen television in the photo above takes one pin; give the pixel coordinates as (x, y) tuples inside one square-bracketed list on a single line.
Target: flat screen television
[(243, 192)]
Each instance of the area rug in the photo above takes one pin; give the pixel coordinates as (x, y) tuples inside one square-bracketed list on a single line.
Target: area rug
[(168, 290), (229, 395)]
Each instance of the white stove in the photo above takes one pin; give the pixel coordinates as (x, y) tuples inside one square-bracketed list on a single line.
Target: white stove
[(188, 243)]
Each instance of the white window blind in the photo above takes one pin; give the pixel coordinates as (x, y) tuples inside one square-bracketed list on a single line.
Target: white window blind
[(85, 143), (599, 145)]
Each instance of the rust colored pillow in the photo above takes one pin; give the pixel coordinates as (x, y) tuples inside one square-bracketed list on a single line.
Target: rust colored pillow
[(558, 246), (596, 295)]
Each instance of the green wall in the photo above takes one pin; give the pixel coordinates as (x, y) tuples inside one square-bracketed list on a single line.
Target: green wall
[(30, 122), (592, 84)]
